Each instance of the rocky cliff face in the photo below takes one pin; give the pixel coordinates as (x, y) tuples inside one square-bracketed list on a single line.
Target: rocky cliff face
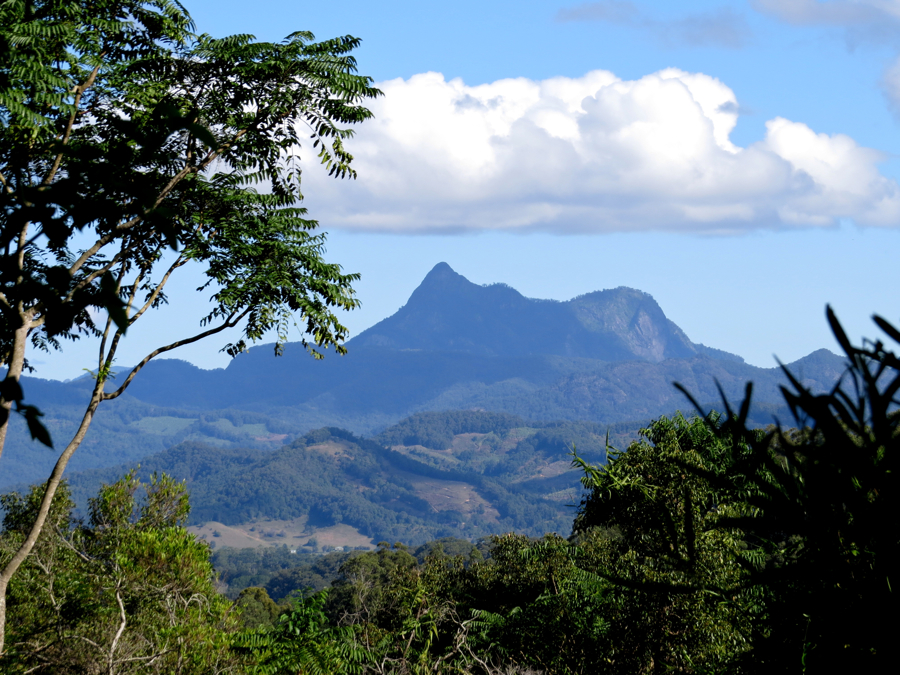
[(447, 312)]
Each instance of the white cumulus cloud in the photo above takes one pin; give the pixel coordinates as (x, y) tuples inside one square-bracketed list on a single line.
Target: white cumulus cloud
[(592, 154)]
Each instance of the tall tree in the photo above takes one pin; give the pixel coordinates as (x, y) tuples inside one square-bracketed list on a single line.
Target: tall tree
[(677, 600), (130, 147)]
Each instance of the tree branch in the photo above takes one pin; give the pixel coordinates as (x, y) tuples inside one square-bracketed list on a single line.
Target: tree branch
[(102, 359), (211, 156), (230, 322), (20, 254), (89, 253), (181, 261), (118, 635), (107, 358), (79, 92), (84, 639), (98, 272), (69, 545)]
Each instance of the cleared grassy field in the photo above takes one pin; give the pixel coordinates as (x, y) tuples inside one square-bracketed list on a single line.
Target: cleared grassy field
[(293, 533), (164, 426)]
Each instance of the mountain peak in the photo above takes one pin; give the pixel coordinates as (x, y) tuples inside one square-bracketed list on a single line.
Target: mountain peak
[(447, 312), (439, 285), (442, 276), (440, 270)]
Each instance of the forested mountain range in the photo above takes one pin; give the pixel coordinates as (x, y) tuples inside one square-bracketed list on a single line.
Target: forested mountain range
[(457, 474), (605, 357)]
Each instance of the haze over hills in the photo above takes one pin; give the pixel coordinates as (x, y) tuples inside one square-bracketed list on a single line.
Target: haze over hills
[(605, 357)]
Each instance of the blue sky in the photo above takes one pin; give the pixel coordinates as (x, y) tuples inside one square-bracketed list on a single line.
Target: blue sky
[(738, 161)]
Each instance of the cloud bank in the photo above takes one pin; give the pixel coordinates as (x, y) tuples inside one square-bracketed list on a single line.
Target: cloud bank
[(592, 154), (862, 23), (718, 28), (877, 17)]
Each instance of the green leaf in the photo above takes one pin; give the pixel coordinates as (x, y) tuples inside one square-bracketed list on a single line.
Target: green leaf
[(838, 331), (37, 430), (11, 390), (113, 303), (203, 134), (887, 328)]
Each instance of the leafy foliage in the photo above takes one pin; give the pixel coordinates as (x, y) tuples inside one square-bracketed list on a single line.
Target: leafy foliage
[(284, 574), (309, 578), (257, 609), (123, 125), (820, 508), (535, 604), (239, 569), (131, 591), (304, 641), (677, 600)]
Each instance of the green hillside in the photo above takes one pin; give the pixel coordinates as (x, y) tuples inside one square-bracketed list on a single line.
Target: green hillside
[(129, 430), (487, 474)]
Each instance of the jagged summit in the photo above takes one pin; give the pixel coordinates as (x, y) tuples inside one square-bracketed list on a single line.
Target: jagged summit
[(444, 282), (442, 273), (447, 312)]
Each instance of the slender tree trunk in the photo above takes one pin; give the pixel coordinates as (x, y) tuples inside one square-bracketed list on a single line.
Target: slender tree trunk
[(14, 372), (115, 643), (97, 396), (49, 492)]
